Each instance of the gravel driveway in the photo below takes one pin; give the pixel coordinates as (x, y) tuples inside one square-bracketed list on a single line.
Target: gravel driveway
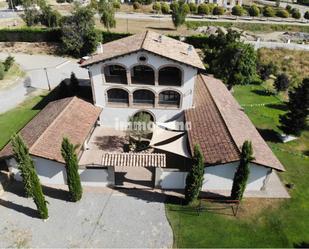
[(103, 218)]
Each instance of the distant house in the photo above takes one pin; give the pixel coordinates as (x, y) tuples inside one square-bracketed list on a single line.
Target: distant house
[(223, 3), (164, 78)]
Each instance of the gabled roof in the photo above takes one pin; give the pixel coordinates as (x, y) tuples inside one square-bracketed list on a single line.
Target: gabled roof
[(220, 126), (69, 117), (152, 42)]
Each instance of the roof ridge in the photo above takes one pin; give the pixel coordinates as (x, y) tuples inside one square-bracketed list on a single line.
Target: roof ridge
[(220, 114), (144, 39), (54, 121)]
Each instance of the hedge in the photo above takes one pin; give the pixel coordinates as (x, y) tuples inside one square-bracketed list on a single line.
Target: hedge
[(54, 35)]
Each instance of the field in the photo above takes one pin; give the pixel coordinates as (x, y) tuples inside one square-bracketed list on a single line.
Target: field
[(262, 222), (10, 77)]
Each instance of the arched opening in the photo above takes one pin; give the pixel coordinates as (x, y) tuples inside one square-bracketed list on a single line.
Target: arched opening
[(118, 96), (143, 97), (170, 76), (147, 114), (169, 98), (142, 74), (115, 74)]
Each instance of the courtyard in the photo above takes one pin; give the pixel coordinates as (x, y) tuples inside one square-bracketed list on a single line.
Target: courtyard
[(103, 218)]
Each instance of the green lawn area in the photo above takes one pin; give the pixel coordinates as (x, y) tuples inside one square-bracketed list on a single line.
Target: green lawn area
[(11, 76), (15, 119), (279, 223)]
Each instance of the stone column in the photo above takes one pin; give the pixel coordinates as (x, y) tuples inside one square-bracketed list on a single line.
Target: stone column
[(130, 99), (128, 74)]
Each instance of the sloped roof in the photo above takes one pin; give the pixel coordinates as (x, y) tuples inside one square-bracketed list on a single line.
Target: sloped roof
[(148, 41), (69, 117), (220, 126)]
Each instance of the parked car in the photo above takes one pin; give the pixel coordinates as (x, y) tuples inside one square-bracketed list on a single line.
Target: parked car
[(84, 58)]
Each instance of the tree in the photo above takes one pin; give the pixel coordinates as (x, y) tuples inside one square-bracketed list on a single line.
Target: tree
[(165, 8), (265, 70), (294, 121), (296, 13), (49, 17), (78, 33), (282, 82), (193, 7), (288, 8), (30, 178), (254, 10), (179, 14), (22, 158), (71, 162), (282, 13), (195, 177), (237, 10), (74, 84), (218, 11), (107, 11), (203, 9), (31, 16), (268, 11), (136, 5), (8, 63), (242, 173), (306, 15), (230, 59), (2, 71), (156, 7)]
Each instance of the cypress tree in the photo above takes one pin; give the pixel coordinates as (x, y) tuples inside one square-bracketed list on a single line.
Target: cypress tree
[(294, 121), (74, 84), (20, 155), (73, 179), (194, 180), (242, 173)]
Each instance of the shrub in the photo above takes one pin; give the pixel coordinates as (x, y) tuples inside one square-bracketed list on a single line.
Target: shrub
[(218, 11), (242, 173), (174, 5), (268, 12), (165, 8), (306, 15), (8, 63), (186, 8), (296, 14), (282, 82), (288, 8), (31, 16), (179, 15), (156, 7), (1, 71), (60, 1), (211, 7), (203, 9), (49, 17), (69, 1), (136, 5), (116, 5), (71, 162), (254, 10), (28, 34), (266, 70), (193, 7), (237, 10), (282, 13)]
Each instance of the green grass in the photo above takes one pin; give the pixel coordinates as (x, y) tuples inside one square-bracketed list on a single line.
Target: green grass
[(253, 27), (282, 225), (11, 76), (15, 119)]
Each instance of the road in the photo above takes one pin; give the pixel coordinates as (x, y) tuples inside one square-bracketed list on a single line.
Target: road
[(57, 69), (6, 13)]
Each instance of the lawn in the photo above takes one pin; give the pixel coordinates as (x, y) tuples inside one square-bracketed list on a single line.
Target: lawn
[(15, 119), (267, 223)]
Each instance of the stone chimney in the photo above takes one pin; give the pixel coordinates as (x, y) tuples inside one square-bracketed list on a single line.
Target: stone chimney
[(100, 48)]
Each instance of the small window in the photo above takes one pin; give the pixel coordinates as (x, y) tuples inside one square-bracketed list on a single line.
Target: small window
[(142, 58)]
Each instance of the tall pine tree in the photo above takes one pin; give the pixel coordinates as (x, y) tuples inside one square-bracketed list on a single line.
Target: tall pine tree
[(194, 180), (294, 121), (242, 173), (73, 179)]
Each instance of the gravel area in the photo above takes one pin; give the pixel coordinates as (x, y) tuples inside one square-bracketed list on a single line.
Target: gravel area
[(103, 218)]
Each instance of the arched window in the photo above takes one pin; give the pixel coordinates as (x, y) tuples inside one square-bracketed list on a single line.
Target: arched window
[(169, 98), (115, 74), (145, 97), (116, 95), (170, 76), (143, 75)]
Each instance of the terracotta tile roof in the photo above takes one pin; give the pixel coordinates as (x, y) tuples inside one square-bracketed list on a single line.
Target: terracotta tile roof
[(70, 117), (132, 160), (215, 104), (149, 41)]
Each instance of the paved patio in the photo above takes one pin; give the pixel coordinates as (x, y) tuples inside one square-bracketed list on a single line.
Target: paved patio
[(103, 218)]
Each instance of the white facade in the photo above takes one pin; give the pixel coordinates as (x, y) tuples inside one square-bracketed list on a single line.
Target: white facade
[(216, 178), (112, 114), (54, 173), (223, 3)]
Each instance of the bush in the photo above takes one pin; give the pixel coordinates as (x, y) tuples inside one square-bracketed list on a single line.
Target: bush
[(218, 11), (30, 35), (265, 70), (268, 12), (193, 8), (8, 63), (296, 14), (156, 7), (254, 10), (1, 71), (174, 5), (116, 5), (237, 10), (49, 17), (31, 16), (288, 8), (282, 82), (282, 13), (306, 15), (203, 9), (60, 1), (69, 1), (165, 8), (136, 5), (186, 8)]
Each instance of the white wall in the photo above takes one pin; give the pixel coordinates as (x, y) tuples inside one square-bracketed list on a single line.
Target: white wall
[(109, 114), (51, 172), (221, 177), (171, 179)]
